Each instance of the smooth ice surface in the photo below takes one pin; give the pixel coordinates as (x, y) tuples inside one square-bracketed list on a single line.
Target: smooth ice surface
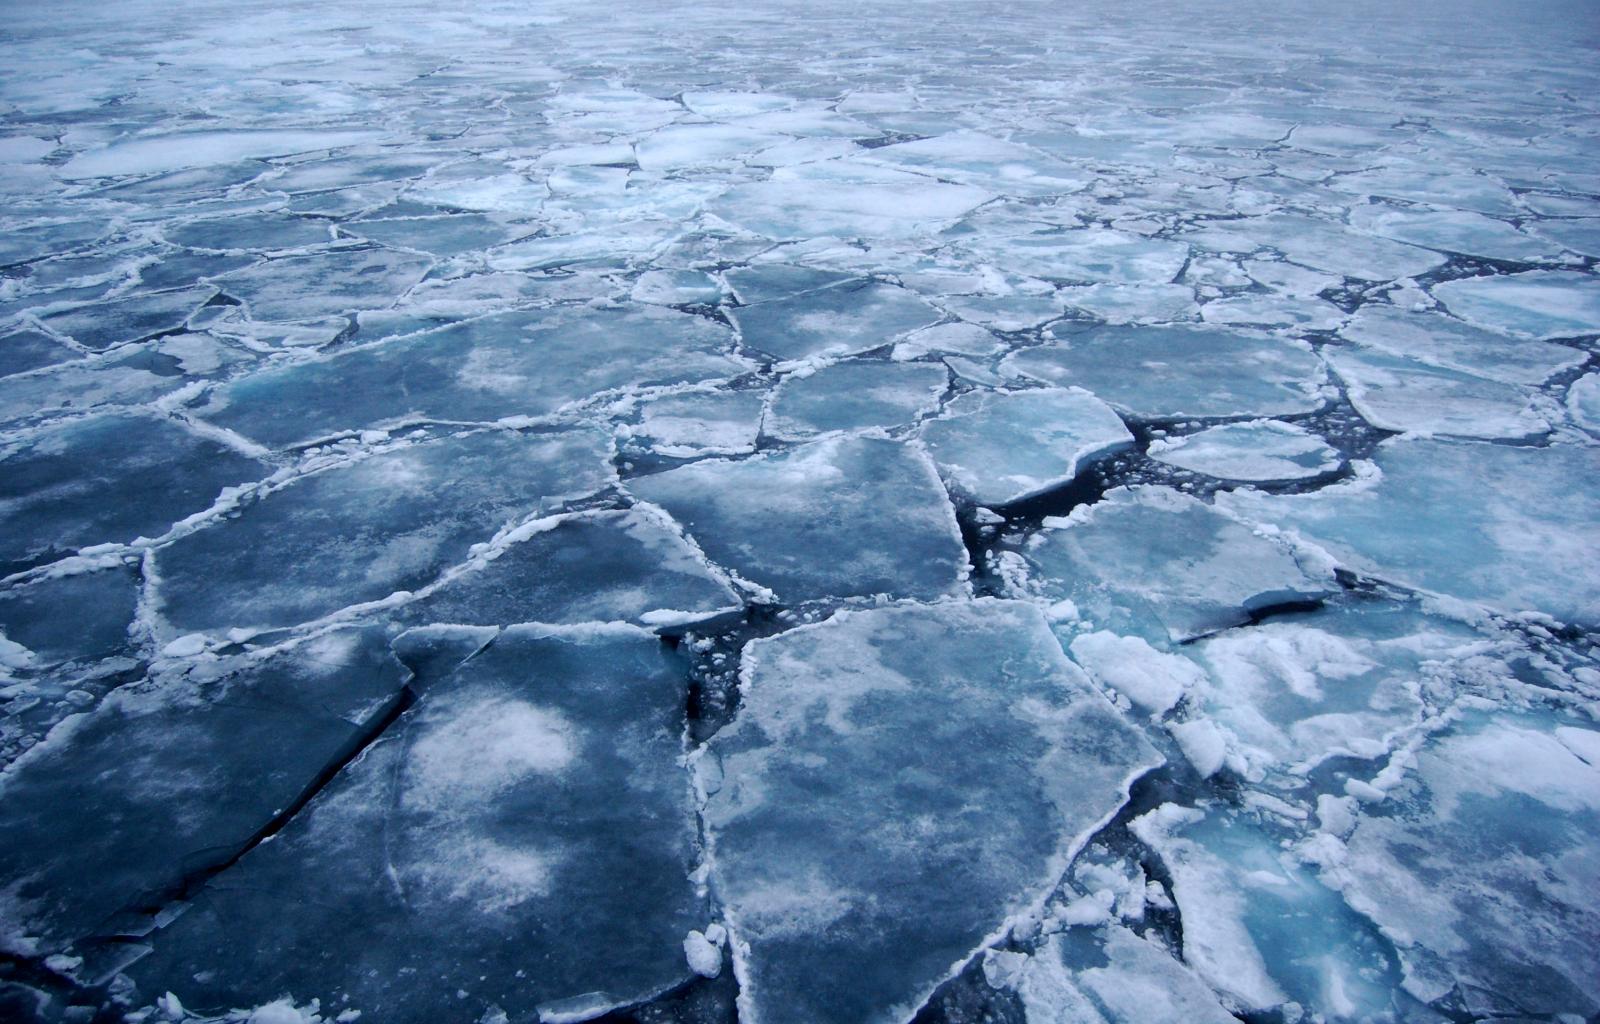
[(364, 530), (834, 518), (1158, 373), (1409, 397), (109, 479), (855, 395), (186, 769), (1482, 872), (1511, 528), (899, 783), (528, 802), (585, 567), (295, 288), (1155, 563), (1537, 304), (1260, 450), (998, 448), (701, 423)]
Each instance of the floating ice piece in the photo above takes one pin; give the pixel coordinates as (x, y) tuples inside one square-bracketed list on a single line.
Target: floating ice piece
[(718, 103), (999, 448), (109, 479), (1454, 231), (123, 377), (441, 236), (611, 566), (899, 785), (1537, 304), (1111, 975), (855, 395), (1259, 450), (702, 423), (676, 288), (1084, 255), (1512, 528), (1410, 397), (29, 350), (511, 364), (1323, 245), (150, 154), (83, 618), (302, 287), (361, 531), (1159, 373), (346, 171), (1123, 304), (1583, 402), (503, 193), (1442, 341), (765, 282), (1483, 872), (1420, 184), (250, 232), (695, 145), (1269, 311), (814, 199), (187, 770), (844, 517), (837, 321), (973, 158), (134, 318), (957, 338), (1155, 563), (1258, 927), (531, 800), (1341, 680), (1581, 236)]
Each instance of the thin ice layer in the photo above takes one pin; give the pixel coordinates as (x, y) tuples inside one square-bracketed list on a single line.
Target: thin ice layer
[(836, 321), (496, 836), (1512, 528), (844, 517), (1155, 563), (364, 530), (1159, 373), (186, 768), (1482, 869), (1536, 304), (997, 448), (1411, 397), (855, 395), (1444, 341), (900, 783)]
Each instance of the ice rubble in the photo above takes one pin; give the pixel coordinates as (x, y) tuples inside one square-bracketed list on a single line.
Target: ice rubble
[(363, 530), (1257, 450), (875, 506), (901, 710), (997, 448), (528, 802), (1182, 371)]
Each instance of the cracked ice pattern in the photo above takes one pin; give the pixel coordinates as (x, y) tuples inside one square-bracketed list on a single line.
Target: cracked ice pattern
[(505, 512)]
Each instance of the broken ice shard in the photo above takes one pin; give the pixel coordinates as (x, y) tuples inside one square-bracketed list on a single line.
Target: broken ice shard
[(900, 784), (1256, 451)]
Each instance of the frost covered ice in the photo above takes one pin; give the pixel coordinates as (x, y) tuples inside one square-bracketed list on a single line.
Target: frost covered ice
[(1033, 514)]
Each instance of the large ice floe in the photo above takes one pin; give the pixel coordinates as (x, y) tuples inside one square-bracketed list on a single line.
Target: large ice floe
[(799, 513)]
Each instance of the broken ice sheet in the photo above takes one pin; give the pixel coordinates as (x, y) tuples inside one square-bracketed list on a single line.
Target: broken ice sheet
[(849, 201), (1256, 451), (530, 800), (1406, 396), (899, 785), (1481, 867), (1163, 373), (837, 321), (1155, 563), (844, 517), (854, 395), (1257, 924), (508, 364), (1537, 304), (187, 767), (608, 566), (1443, 341), (136, 317), (1508, 527), (303, 287), (109, 479), (997, 448), (362, 530)]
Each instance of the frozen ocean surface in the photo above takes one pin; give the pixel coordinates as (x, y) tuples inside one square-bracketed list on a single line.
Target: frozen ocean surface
[(799, 513)]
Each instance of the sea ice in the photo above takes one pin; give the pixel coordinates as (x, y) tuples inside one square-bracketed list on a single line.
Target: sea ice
[(835, 321), (1255, 451), (1406, 396), (301, 287), (697, 423), (855, 395), (1537, 304), (1443, 341), (900, 784)]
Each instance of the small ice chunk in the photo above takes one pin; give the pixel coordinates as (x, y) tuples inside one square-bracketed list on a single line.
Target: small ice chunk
[(1444, 341), (837, 321), (1152, 679), (1411, 397), (1259, 450), (701, 423), (1537, 304), (676, 288), (704, 956), (855, 395)]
